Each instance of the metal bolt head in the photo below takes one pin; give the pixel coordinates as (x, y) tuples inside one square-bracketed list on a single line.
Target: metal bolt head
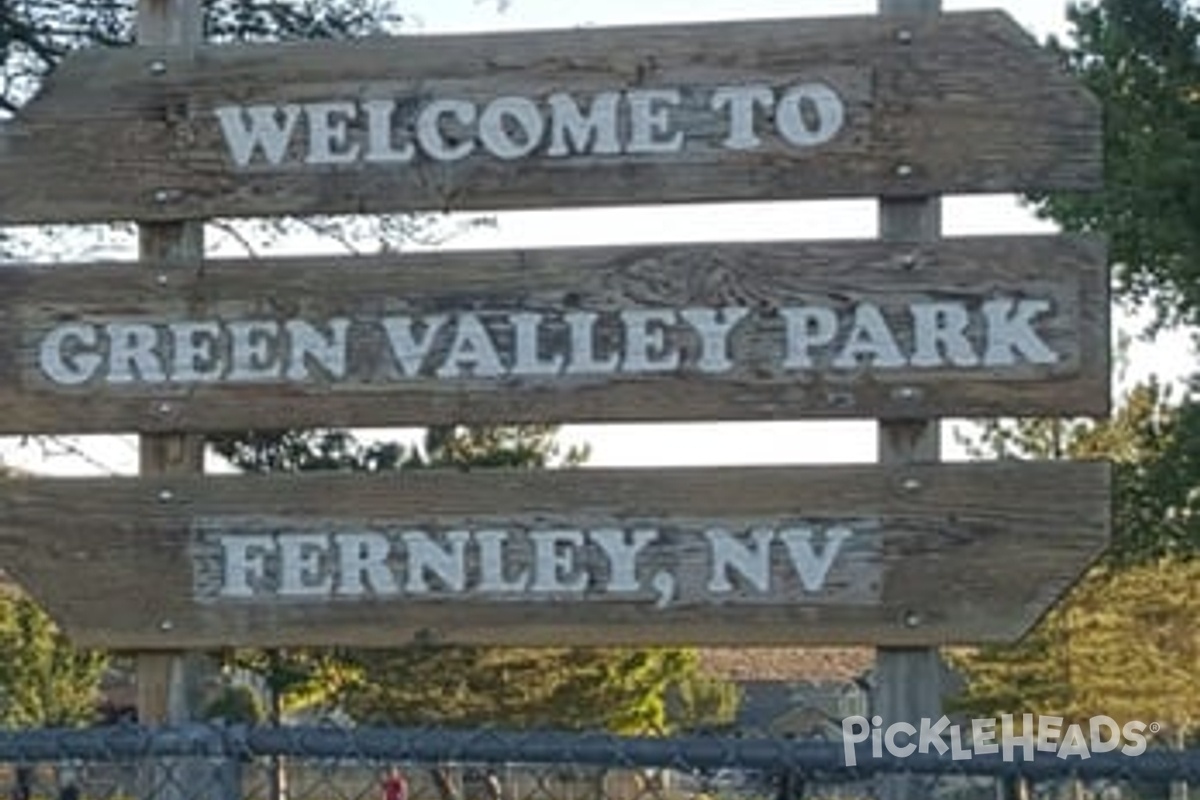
[(161, 279), (904, 36), (166, 625), (906, 393), (909, 261), (165, 496), (164, 196), (912, 619), (911, 485), (157, 67), (904, 170), (426, 636)]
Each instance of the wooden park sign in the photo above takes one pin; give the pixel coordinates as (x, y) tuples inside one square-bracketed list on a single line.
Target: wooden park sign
[(831, 554), (784, 109), (809, 108), (973, 326)]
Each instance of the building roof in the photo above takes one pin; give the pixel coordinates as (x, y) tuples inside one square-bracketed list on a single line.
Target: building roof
[(809, 664)]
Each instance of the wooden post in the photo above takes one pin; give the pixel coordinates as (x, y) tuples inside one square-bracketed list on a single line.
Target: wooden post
[(908, 681), (167, 682), (170, 684)]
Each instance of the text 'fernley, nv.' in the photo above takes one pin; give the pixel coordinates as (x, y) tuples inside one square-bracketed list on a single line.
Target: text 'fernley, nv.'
[(659, 565)]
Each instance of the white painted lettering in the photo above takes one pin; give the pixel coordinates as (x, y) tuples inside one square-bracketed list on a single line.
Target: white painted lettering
[(527, 360), (714, 328), (741, 102), (582, 326), (433, 139), (813, 568), (67, 354), (622, 553), (489, 344), (537, 565), (254, 351), (504, 117), (362, 565), (243, 564), (303, 570), (195, 352), (937, 326), (807, 327), (492, 547), (380, 148), (595, 133), (646, 347), (1010, 329), (650, 121), (131, 353), (409, 350), (554, 567), (606, 123), (809, 114), (248, 129), (427, 557), (473, 348), (328, 351), (871, 337), (750, 559), (328, 134)]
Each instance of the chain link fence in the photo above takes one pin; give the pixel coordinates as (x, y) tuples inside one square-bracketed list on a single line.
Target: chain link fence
[(213, 762)]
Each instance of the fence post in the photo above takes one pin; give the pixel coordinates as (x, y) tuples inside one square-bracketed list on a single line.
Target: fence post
[(908, 680)]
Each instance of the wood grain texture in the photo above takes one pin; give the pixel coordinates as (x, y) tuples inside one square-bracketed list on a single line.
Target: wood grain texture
[(375, 388), (167, 683), (957, 561), (957, 103), (908, 681)]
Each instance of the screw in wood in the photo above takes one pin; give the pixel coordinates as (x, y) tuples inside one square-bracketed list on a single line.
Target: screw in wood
[(904, 170), (166, 625), (911, 485), (840, 399), (904, 36), (912, 619), (165, 496), (158, 67)]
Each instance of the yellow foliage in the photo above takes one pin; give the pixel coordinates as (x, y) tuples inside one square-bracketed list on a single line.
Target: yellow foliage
[(1125, 643)]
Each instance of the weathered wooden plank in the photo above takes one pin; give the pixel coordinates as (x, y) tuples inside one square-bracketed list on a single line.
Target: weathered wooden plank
[(973, 326), (802, 108), (916, 554)]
